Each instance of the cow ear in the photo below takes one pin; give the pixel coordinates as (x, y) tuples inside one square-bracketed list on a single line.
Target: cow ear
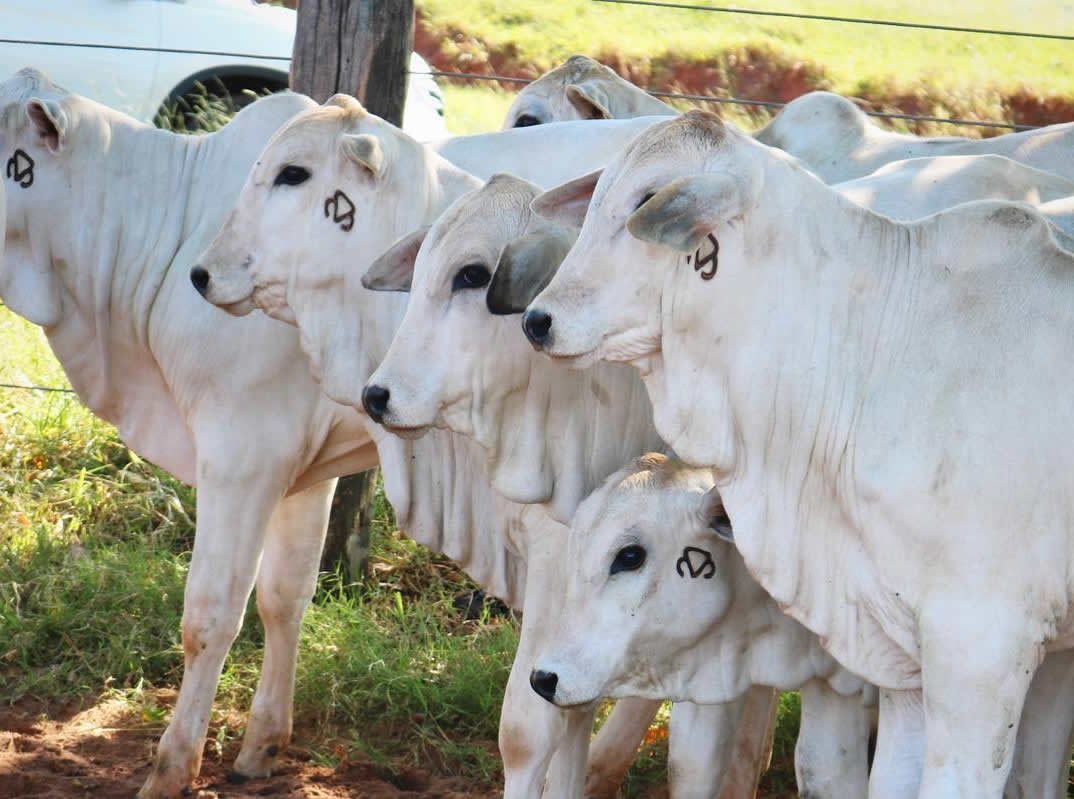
[(526, 266), (364, 150), (682, 213), (714, 516), (566, 205), (394, 270), (49, 122), (590, 100)]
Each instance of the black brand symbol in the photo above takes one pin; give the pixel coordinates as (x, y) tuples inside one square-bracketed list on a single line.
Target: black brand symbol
[(700, 263), (20, 168), (340, 208), (705, 567)]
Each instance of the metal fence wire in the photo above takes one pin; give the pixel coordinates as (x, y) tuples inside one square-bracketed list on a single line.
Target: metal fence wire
[(701, 98)]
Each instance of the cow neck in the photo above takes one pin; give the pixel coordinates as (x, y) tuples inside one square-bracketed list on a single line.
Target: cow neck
[(567, 431), (134, 338), (808, 310)]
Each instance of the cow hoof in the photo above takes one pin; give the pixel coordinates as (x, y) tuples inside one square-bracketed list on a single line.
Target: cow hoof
[(255, 764), (165, 783), (237, 778)]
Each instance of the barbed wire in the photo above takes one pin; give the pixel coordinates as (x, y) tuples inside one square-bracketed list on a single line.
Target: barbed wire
[(38, 388), (704, 98), (853, 20)]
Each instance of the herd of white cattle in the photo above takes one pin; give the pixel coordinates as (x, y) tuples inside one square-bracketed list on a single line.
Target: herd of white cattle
[(861, 344)]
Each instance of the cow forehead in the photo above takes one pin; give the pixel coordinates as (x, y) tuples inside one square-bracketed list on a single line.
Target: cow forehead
[(575, 69), (697, 132), (490, 216)]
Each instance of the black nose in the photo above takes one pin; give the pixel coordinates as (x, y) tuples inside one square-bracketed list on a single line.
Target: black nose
[(544, 683), (375, 401), (200, 278), (537, 325)]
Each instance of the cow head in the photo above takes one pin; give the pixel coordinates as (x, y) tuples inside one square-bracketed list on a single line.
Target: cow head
[(38, 124), (458, 360), (332, 189), (650, 572), (660, 245), (580, 88)]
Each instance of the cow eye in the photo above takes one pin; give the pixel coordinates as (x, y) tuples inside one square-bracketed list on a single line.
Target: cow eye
[(527, 121), (291, 176), (471, 276), (628, 559), (643, 200)]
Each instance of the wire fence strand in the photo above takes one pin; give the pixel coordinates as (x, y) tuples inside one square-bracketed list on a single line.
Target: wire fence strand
[(37, 388), (704, 98), (853, 20)]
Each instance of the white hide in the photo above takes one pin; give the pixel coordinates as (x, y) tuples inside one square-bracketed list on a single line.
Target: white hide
[(581, 88), (884, 405), (282, 250), (99, 251), (551, 434), (643, 547), (839, 142)]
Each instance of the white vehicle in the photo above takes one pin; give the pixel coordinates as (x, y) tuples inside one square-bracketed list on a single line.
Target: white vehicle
[(138, 55)]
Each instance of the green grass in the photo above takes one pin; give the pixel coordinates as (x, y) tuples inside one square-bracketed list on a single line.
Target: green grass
[(854, 57), (94, 549)]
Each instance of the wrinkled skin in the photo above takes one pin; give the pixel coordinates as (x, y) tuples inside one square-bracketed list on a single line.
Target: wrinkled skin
[(733, 366)]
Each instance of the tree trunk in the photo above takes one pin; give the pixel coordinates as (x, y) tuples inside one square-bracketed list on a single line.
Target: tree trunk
[(360, 47)]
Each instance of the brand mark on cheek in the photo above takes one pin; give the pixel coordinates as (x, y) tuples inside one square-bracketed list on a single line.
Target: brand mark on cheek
[(341, 210), (695, 563), (700, 263), (20, 168)]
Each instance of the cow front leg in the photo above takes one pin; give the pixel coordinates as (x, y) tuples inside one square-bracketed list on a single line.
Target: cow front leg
[(701, 747), (1041, 765), (614, 748), (232, 515), (978, 659), (900, 746), (285, 585), (832, 753)]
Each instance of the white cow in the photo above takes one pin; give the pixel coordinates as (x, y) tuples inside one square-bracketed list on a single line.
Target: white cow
[(581, 88), (104, 219), (839, 142), (337, 174), (551, 435), (659, 603), (884, 404)]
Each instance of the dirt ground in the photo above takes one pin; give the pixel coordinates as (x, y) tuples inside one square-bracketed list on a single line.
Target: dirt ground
[(105, 750)]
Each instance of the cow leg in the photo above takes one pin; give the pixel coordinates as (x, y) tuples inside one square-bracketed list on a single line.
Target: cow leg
[(977, 661), (831, 756), (1041, 765), (900, 746), (532, 729), (701, 742), (285, 585), (753, 740), (233, 507), (567, 771), (615, 746)]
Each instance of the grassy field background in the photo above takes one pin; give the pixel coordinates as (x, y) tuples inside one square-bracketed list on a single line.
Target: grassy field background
[(938, 73)]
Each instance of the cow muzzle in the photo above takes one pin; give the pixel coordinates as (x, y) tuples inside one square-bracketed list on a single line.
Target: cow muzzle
[(537, 325), (544, 684)]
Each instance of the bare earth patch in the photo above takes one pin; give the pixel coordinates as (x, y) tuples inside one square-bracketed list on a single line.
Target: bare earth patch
[(104, 750)]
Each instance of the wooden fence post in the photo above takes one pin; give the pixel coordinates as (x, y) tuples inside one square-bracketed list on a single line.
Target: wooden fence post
[(360, 47)]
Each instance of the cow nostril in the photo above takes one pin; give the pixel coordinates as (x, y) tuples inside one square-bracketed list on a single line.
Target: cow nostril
[(544, 683), (375, 401), (537, 325), (200, 278)]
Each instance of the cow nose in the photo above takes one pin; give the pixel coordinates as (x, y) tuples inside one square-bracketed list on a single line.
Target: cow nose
[(544, 683), (375, 401), (200, 278), (537, 325)]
